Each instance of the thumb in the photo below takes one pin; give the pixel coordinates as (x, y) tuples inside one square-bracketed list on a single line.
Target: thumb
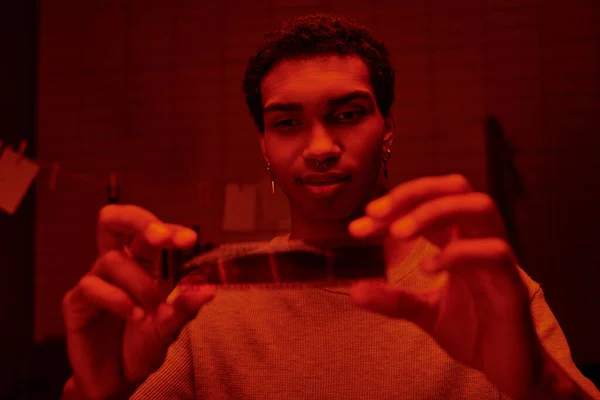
[(185, 306), (162, 331), (418, 306)]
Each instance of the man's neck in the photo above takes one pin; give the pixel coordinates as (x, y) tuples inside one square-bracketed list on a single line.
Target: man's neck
[(337, 231), (315, 230), (318, 229)]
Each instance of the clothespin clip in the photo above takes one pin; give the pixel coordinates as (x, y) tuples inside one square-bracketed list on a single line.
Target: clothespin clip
[(53, 175), (113, 190), (21, 151)]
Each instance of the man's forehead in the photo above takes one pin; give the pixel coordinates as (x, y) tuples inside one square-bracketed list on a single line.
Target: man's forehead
[(315, 78)]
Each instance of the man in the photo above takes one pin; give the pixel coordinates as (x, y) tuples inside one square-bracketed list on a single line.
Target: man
[(459, 319)]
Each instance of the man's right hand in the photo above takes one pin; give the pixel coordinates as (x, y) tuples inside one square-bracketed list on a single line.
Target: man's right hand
[(118, 323)]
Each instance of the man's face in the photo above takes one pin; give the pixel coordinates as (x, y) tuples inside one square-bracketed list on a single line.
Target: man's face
[(324, 135)]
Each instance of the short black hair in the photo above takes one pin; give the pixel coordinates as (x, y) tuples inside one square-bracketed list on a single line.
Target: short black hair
[(317, 35)]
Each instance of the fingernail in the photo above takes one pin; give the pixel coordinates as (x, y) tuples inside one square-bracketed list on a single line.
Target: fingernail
[(380, 207), (404, 228), (185, 235), (157, 232), (362, 226), (173, 295)]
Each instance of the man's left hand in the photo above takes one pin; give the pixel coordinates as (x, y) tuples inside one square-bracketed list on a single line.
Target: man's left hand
[(480, 315)]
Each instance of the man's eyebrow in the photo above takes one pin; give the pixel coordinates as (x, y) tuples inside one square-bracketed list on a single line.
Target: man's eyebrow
[(335, 102), (356, 94), (282, 107)]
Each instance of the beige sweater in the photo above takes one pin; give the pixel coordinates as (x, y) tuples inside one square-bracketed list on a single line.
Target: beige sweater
[(314, 344)]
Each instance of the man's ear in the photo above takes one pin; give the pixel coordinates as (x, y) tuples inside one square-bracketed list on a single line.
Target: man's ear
[(263, 149)]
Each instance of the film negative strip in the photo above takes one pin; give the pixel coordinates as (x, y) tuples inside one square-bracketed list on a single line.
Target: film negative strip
[(299, 264)]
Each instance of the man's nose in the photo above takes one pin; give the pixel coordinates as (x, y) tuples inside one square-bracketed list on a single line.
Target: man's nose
[(321, 148)]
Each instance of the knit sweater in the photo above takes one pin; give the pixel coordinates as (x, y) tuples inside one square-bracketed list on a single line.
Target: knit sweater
[(312, 343)]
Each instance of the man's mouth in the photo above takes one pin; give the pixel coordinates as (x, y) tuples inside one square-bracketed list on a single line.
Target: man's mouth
[(324, 179), (324, 185)]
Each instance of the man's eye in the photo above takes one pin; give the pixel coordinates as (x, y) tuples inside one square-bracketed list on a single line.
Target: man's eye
[(349, 116), (287, 123)]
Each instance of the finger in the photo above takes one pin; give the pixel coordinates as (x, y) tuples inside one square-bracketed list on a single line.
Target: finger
[(402, 199), (119, 269), (182, 237), (184, 307), (420, 307), (465, 253), (488, 268), (118, 222), (146, 248), (472, 210), (412, 193), (108, 297)]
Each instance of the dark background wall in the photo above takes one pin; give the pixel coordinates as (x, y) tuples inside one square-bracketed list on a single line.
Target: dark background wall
[(151, 90), (18, 80)]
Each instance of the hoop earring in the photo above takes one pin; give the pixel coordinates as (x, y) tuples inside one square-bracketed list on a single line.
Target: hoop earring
[(385, 161), (272, 178)]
